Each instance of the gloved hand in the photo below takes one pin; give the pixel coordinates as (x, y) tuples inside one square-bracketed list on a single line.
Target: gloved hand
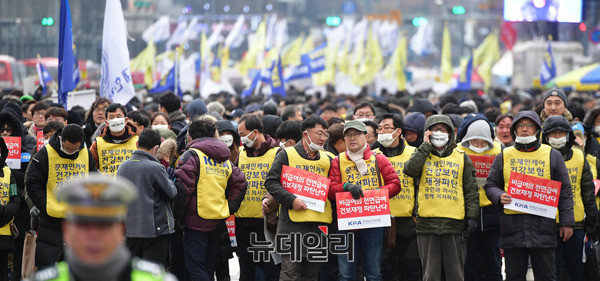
[(471, 227), (34, 212), (590, 227), (354, 189)]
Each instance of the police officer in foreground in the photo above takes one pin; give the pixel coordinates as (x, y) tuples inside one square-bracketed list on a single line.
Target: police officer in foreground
[(93, 232)]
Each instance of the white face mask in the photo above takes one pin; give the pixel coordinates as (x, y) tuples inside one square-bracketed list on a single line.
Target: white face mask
[(282, 144), (525, 140), (387, 139), (116, 125), (313, 146), (247, 142), (439, 139), (65, 151), (478, 149), (364, 119), (46, 142), (597, 129), (160, 127), (227, 139), (557, 142)]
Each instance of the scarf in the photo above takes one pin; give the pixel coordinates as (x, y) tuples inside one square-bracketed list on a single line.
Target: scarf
[(358, 159), (107, 271)]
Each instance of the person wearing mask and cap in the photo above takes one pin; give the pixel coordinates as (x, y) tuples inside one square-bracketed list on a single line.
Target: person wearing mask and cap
[(10, 200), (95, 210), (523, 235), (64, 158), (294, 217), (374, 171), (557, 133), (476, 136), (255, 160), (447, 200), (402, 257), (117, 141), (555, 103), (229, 135), (414, 123)]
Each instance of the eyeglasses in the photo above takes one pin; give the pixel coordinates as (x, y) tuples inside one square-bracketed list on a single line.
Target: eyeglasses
[(40, 114), (322, 135), (362, 115), (528, 126), (100, 109), (8, 130), (386, 129), (352, 135)]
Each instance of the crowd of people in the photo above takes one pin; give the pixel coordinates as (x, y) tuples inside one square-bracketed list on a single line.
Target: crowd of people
[(194, 162)]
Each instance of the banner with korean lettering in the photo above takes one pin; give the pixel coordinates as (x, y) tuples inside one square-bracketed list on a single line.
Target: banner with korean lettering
[(309, 187), (533, 195), (482, 164), (13, 160), (370, 211), (230, 222), (40, 140)]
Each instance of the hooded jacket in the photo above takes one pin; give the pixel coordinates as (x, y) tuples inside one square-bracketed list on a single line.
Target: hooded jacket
[(592, 146), (414, 168), (187, 173), (423, 106), (177, 121), (469, 119), (567, 114), (415, 121), (554, 123), (37, 178), (8, 211), (524, 230), (9, 116)]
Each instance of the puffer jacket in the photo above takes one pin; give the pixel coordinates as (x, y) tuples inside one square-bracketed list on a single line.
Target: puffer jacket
[(187, 173), (9, 116), (414, 168), (8, 211), (523, 230), (391, 182)]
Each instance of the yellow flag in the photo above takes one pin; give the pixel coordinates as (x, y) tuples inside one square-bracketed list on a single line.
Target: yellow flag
[(291, 55), (372, 62), (446, 63), (144, 61), (402, 61), (308, 45), (224, 58), (485, 56), (256, 47)]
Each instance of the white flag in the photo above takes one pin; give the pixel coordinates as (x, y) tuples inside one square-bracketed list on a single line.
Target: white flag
[(236, 31), (216, 37), (422, 42), (160, 30), (116, 81), (177, 34)]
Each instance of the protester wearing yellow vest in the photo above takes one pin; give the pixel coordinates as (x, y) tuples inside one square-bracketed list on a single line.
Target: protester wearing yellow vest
[(294, 217), (116, 143), (356, 170), (64, 158), (256, 157), (557, 132), (402, 257), (476, 139), (93, 234), (214, 189), (10, 200), (522, 235), (447, 200)]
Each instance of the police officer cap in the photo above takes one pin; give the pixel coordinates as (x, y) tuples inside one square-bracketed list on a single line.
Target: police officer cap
[(97, 198)]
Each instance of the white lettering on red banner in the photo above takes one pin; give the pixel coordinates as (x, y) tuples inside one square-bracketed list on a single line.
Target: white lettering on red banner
[(533, 195), (13, 160), (230, 222), (40, 140), (309, 187), (370, 211)]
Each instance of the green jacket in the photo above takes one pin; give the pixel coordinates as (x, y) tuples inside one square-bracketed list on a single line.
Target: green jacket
[(414, 167), (141, 270)]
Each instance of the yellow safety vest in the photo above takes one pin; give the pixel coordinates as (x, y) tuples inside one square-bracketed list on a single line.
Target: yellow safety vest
[(403, 203), (535, 163), (255, 169), (483, 200), (575, 170), (320, 167), (111, 155), (210, 189), (441, 187), (350, 173), (61, 170), (5, 197)]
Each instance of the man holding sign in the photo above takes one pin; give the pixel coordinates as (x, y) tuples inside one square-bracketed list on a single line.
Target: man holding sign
[(299, 172), (357, 170), (447, 200), (524, 235), (558, 133)]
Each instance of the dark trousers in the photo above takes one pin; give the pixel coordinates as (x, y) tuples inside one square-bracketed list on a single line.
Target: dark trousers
[(439, 253), (402, 262), (201, 249), (542, 262), (48, 248), (178, 267), (154, 249), (248, 267), (484, 261), (571, 253), (298, 271)]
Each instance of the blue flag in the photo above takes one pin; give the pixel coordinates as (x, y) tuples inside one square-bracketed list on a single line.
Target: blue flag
[(66, 59), (277, 86), (298, 72), (44, 77), (548, 70), (464, 80), (76, 73), (315, 59), (248, 92), (167, 83)]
